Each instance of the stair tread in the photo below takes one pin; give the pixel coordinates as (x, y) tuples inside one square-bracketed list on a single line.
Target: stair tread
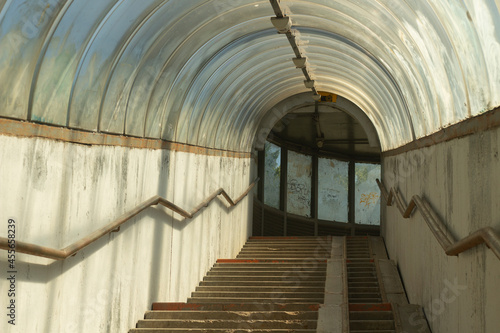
[(228, 324), (215, 330), (248, 315)]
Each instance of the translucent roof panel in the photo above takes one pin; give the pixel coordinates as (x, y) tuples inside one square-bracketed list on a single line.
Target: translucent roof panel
[(206, 72)]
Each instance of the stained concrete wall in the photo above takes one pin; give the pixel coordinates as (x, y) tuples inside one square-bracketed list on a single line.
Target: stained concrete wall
[(58, 192), (460, 178)]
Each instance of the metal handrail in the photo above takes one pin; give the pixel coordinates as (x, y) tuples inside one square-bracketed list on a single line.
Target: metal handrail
[(72, 249), (451, 247)]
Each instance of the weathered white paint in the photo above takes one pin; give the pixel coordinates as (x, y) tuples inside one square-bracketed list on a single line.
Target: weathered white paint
[(460, 179), (59, 192)]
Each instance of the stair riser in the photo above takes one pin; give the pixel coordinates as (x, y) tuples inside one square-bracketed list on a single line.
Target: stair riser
[(212, 330), (275, 294), (266, 289), (228, 315), (319, 284), (269, 273), (228, 324), (289, 278), (256, 300), (277, 267), (371, 315), (371, 325)]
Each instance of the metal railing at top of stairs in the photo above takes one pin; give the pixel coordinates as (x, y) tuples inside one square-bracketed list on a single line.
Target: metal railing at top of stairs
[(72, 249), (452, 247)]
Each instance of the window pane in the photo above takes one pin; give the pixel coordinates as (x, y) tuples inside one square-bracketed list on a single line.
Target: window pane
[(299, 184), (333, 183), (367, 194), (272, 175)]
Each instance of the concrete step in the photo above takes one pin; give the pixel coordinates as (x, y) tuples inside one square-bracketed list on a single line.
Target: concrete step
[(361, 274), (275, 299), (286, 247), (260, 288), (228, 324), (365, 300), (288, 244), (292, 246), (319, 283), (355, 296), (371, 325), (371, 289), (265, 278), (371, 315), (232, 315), (269, 307), (313, 253), (283, 254), (362, 279), (292, 261), (260, 294), (360, 264), (357, 256), (373, 331), (368, 269), (256, 273), (215, 330), (271, 267), (289, 238)]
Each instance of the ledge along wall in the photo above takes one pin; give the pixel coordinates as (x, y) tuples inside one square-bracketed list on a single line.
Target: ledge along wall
[(460, 178), (58, 192)]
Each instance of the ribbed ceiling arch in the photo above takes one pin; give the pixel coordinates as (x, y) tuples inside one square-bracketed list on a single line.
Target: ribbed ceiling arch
[(206, 72)]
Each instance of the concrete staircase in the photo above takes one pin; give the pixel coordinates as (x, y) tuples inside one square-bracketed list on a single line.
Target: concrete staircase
[(275, 284), (367, 310), (376, 298), (295, 284)]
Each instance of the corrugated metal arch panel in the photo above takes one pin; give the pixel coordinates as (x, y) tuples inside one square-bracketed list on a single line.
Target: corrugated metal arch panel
[(248, 58), (60, 58), (438, 63), (380, 30), (145, 60), (24, 27), (485, 23), (430, 44), (254, 52), (271, 85), (108, 39), (169, 91), (235, 90), (406, 100), (358, 70)]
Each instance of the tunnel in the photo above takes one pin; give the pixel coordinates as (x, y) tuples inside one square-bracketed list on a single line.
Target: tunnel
[(138, 111)]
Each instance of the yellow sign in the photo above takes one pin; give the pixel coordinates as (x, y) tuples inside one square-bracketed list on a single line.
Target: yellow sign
[(327, 97)]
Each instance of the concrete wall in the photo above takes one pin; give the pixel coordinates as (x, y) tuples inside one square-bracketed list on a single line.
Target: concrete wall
[(461, 180), (58, 192)]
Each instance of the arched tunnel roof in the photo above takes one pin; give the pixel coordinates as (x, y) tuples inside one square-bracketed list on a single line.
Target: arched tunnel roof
[(206, 72)]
